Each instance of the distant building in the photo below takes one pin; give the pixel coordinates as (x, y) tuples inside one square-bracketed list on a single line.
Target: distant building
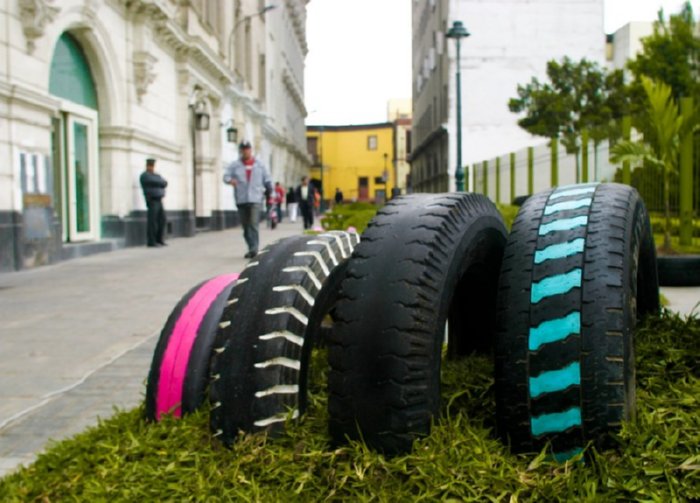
[(510, 43), (626, 43), (89, 90), (357, 159)]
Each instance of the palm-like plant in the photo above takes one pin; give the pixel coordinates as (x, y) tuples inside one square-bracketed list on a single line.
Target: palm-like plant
[(660, 145)]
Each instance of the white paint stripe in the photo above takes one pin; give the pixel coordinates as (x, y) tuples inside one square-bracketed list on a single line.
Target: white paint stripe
[(280, 389), (232, 301), (341, 246), (328, 247), (318, 258), (252, 264), (279, 361), (224, 324), (289, 310), (285, 334), (302, 291), (279, 418), (306, 270), (240, 281)]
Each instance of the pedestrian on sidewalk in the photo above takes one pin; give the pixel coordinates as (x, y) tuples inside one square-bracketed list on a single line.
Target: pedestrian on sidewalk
[(292, 204), (338, 196), (153, 186), (279, 199), (251, 182), (306, 197)]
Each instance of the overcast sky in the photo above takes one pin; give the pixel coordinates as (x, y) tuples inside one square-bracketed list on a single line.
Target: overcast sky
[(360, 53)]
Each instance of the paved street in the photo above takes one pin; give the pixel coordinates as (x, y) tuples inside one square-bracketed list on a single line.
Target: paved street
[(77, 338)]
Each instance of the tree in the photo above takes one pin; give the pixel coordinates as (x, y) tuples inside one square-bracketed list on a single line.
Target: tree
[(660, 145), (671, 54), (578, 96)]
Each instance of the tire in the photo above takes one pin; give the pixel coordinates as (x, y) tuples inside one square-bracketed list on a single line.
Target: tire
[(271, 322), (679, 270), (179, 371), (578, 271), (424, 259)]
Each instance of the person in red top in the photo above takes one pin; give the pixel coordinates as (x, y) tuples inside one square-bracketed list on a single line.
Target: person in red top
[(280, 193)]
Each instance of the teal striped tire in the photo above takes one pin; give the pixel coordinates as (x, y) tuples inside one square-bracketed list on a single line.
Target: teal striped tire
[(579, 270)]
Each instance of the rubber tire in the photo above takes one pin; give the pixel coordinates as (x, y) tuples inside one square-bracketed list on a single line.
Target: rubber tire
[(260, 364), (179, 371), (574, 311), (424, 259), (679, 270)]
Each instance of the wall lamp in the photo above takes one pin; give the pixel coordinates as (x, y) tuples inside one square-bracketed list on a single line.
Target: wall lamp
[(231, 131)]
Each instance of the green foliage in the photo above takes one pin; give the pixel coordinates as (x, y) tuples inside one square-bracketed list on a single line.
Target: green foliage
[(660, 147), (355, 215), (508, 212), (671, 55), (578, 96), (657, 460)]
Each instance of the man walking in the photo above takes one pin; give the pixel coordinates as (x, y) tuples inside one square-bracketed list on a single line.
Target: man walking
[(250, 181), (153, 186), (305, 196)]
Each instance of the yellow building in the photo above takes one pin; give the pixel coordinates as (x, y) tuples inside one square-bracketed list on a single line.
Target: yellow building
[(360, 160)]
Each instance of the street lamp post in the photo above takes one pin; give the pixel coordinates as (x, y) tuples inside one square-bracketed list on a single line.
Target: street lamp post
[(260, 13), (458, 32)]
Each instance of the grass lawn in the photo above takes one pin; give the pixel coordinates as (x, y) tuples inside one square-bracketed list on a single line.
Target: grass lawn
[(658, 458)]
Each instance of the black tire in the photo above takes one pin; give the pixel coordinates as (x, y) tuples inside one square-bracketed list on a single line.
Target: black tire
[(578, 271), (679, 270), (179, 371), (424, 259), (273, 319)]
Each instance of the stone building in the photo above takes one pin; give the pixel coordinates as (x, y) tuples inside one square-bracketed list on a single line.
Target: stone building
[(91, 88), (510, 42)]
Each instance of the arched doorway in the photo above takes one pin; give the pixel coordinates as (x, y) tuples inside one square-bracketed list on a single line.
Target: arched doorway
[(74, 142)]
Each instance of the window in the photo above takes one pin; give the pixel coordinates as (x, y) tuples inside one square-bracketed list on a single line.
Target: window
[(379, 180), (312, 149), (372, 142)]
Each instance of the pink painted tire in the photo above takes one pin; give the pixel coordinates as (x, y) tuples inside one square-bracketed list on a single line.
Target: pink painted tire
[(179, 372)]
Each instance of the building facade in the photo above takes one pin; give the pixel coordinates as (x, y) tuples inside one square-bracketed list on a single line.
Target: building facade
[(357, 159), (510, 42), (90, 89)]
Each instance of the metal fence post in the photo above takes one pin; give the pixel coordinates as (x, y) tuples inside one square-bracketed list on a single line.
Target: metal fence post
[(626, 135), (512, 177), (554, 176), (498, 180), (485, 177), (530, 170), (584, 156), (685, 179)]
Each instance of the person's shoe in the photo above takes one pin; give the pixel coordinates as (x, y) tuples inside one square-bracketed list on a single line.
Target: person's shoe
[(250, 254), (151, 245), (161, 243)]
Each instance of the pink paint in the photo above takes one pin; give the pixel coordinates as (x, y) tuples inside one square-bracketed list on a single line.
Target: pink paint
[(173, 368)]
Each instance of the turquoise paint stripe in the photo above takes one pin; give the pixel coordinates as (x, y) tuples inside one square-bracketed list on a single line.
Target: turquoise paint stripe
[(565, 224), (567, 205), (561, 457), (576, 191), (555, 423), (555, 285), (560, 250), (554, 330), (555, 380)]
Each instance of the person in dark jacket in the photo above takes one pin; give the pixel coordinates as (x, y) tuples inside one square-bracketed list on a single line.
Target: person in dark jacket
[(305, 196), (153, 186)]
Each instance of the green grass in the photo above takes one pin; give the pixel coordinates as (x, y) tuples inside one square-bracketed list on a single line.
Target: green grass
[(658, 458)]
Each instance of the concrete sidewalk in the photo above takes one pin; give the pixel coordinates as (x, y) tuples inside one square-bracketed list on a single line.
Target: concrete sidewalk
[(77, 338)]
